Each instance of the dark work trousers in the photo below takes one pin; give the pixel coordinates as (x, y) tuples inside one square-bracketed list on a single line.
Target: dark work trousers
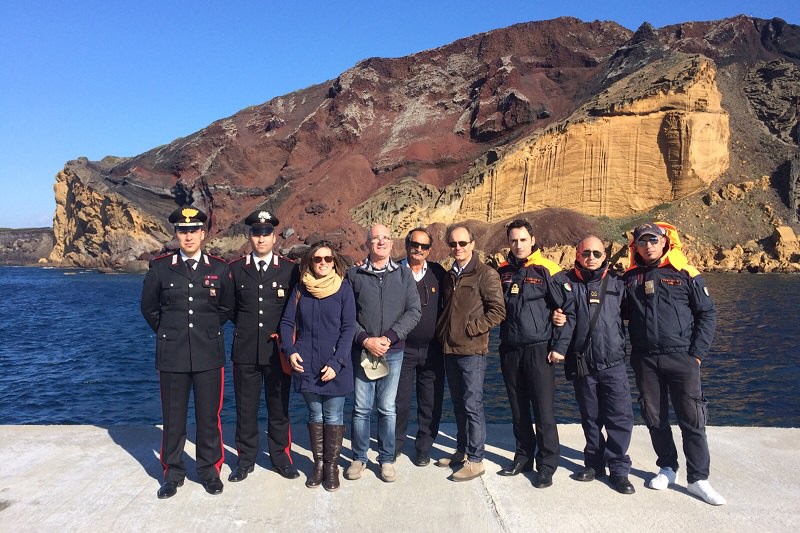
[(604, 400), (426, 364), (465, 374), (207, 388), (675, 376), (248, 381), (531, 382)]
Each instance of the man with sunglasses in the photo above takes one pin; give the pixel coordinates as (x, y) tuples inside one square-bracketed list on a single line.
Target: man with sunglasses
[(422, 358), (186, 298), (595, 364), (473, 305), (671, 322), (387, 309), (263, 281), (533, 287)]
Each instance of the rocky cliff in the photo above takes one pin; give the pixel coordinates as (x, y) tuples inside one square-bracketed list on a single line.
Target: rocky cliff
[(600, 124), (28, 246)]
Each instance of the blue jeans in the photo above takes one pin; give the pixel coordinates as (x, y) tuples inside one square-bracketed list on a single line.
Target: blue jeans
[(324, 409), (465, 375), (366, 392)]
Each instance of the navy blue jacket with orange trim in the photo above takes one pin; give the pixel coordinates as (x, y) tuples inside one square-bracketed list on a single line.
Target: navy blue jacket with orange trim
[(669, 308), (607, 347), (532, 290)]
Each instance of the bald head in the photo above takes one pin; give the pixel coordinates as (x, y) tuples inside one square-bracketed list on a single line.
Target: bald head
[(590, 252), (379, 244)]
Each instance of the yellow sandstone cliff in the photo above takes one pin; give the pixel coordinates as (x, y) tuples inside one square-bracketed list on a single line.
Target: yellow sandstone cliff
[(650, 138)]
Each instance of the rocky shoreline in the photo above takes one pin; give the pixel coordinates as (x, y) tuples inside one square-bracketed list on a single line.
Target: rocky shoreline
[(779, 253)]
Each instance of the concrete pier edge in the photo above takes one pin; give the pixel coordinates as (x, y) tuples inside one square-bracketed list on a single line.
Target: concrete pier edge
[(91, 478)]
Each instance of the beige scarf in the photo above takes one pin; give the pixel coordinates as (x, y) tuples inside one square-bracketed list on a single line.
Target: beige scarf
[(322, 287)]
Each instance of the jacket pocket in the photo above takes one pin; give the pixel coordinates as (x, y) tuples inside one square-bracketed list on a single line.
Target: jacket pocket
[(165, 345), (217, 334)]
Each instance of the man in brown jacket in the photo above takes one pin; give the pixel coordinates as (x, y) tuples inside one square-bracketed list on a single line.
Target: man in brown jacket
[(473, 304)]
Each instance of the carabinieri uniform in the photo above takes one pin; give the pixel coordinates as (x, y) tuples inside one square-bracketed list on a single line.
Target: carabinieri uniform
[(260, 300), (186, 308)]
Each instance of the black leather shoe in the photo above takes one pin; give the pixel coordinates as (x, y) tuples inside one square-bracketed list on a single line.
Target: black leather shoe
[(213, 485), (515, 467), (622, 485), (287, 471), (240, 473), (545, 479), (587, 474), (422, 458), (169, 489)]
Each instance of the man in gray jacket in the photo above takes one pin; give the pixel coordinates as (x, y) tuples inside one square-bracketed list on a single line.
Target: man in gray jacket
[(387, 309)]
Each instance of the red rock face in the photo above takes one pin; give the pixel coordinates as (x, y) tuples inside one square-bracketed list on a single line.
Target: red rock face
[(312, 155)]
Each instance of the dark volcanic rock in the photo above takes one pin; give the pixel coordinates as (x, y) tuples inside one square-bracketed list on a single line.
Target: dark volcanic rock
[(25, 246), (415, 126)]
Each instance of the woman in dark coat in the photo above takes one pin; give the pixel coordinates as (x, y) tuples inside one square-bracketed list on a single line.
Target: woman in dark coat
[(317, 332)]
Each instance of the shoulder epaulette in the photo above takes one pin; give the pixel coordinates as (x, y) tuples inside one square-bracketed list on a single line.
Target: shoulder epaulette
[(217, 258), (536, 259), (237, 259)]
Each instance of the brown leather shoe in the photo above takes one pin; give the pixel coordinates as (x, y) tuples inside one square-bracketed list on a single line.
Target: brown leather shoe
[(453, 461), (469, 471)]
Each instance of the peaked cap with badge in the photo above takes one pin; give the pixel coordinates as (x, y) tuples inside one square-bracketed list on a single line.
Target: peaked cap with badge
[(187, 217), (261, 222)]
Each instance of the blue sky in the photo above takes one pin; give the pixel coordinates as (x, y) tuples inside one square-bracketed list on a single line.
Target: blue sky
[(96, 78)]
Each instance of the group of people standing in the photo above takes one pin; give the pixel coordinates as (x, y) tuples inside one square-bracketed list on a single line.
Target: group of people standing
[(381, 329)]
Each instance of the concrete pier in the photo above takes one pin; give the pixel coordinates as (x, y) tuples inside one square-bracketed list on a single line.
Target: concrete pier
[(104, 479)]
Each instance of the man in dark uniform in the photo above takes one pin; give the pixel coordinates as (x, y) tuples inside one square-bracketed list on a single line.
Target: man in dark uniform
[(671, 322), (596, 365), (529, 346), (263, 281), (186, 298), (423, 361)]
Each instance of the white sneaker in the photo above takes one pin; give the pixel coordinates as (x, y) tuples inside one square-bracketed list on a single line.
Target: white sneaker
[(665, 477), (703, 490)]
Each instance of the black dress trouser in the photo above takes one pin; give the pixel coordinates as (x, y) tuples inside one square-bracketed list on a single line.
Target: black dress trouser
[(531, 383), (248, 382), (207, 387), (426, 364)]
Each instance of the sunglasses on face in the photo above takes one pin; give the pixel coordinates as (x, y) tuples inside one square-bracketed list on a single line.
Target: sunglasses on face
[(586, 254), (319, 259), (649, 239), (415, 244), (456, 244)]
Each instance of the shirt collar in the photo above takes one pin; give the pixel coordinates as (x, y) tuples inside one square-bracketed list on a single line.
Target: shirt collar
[(417, 275), (268, 259)]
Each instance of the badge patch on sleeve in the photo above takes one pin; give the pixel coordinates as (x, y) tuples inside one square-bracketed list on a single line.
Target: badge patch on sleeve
[(568, 286)]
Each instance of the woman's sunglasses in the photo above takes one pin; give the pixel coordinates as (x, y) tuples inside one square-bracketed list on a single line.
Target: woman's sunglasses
[(319, 259)]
